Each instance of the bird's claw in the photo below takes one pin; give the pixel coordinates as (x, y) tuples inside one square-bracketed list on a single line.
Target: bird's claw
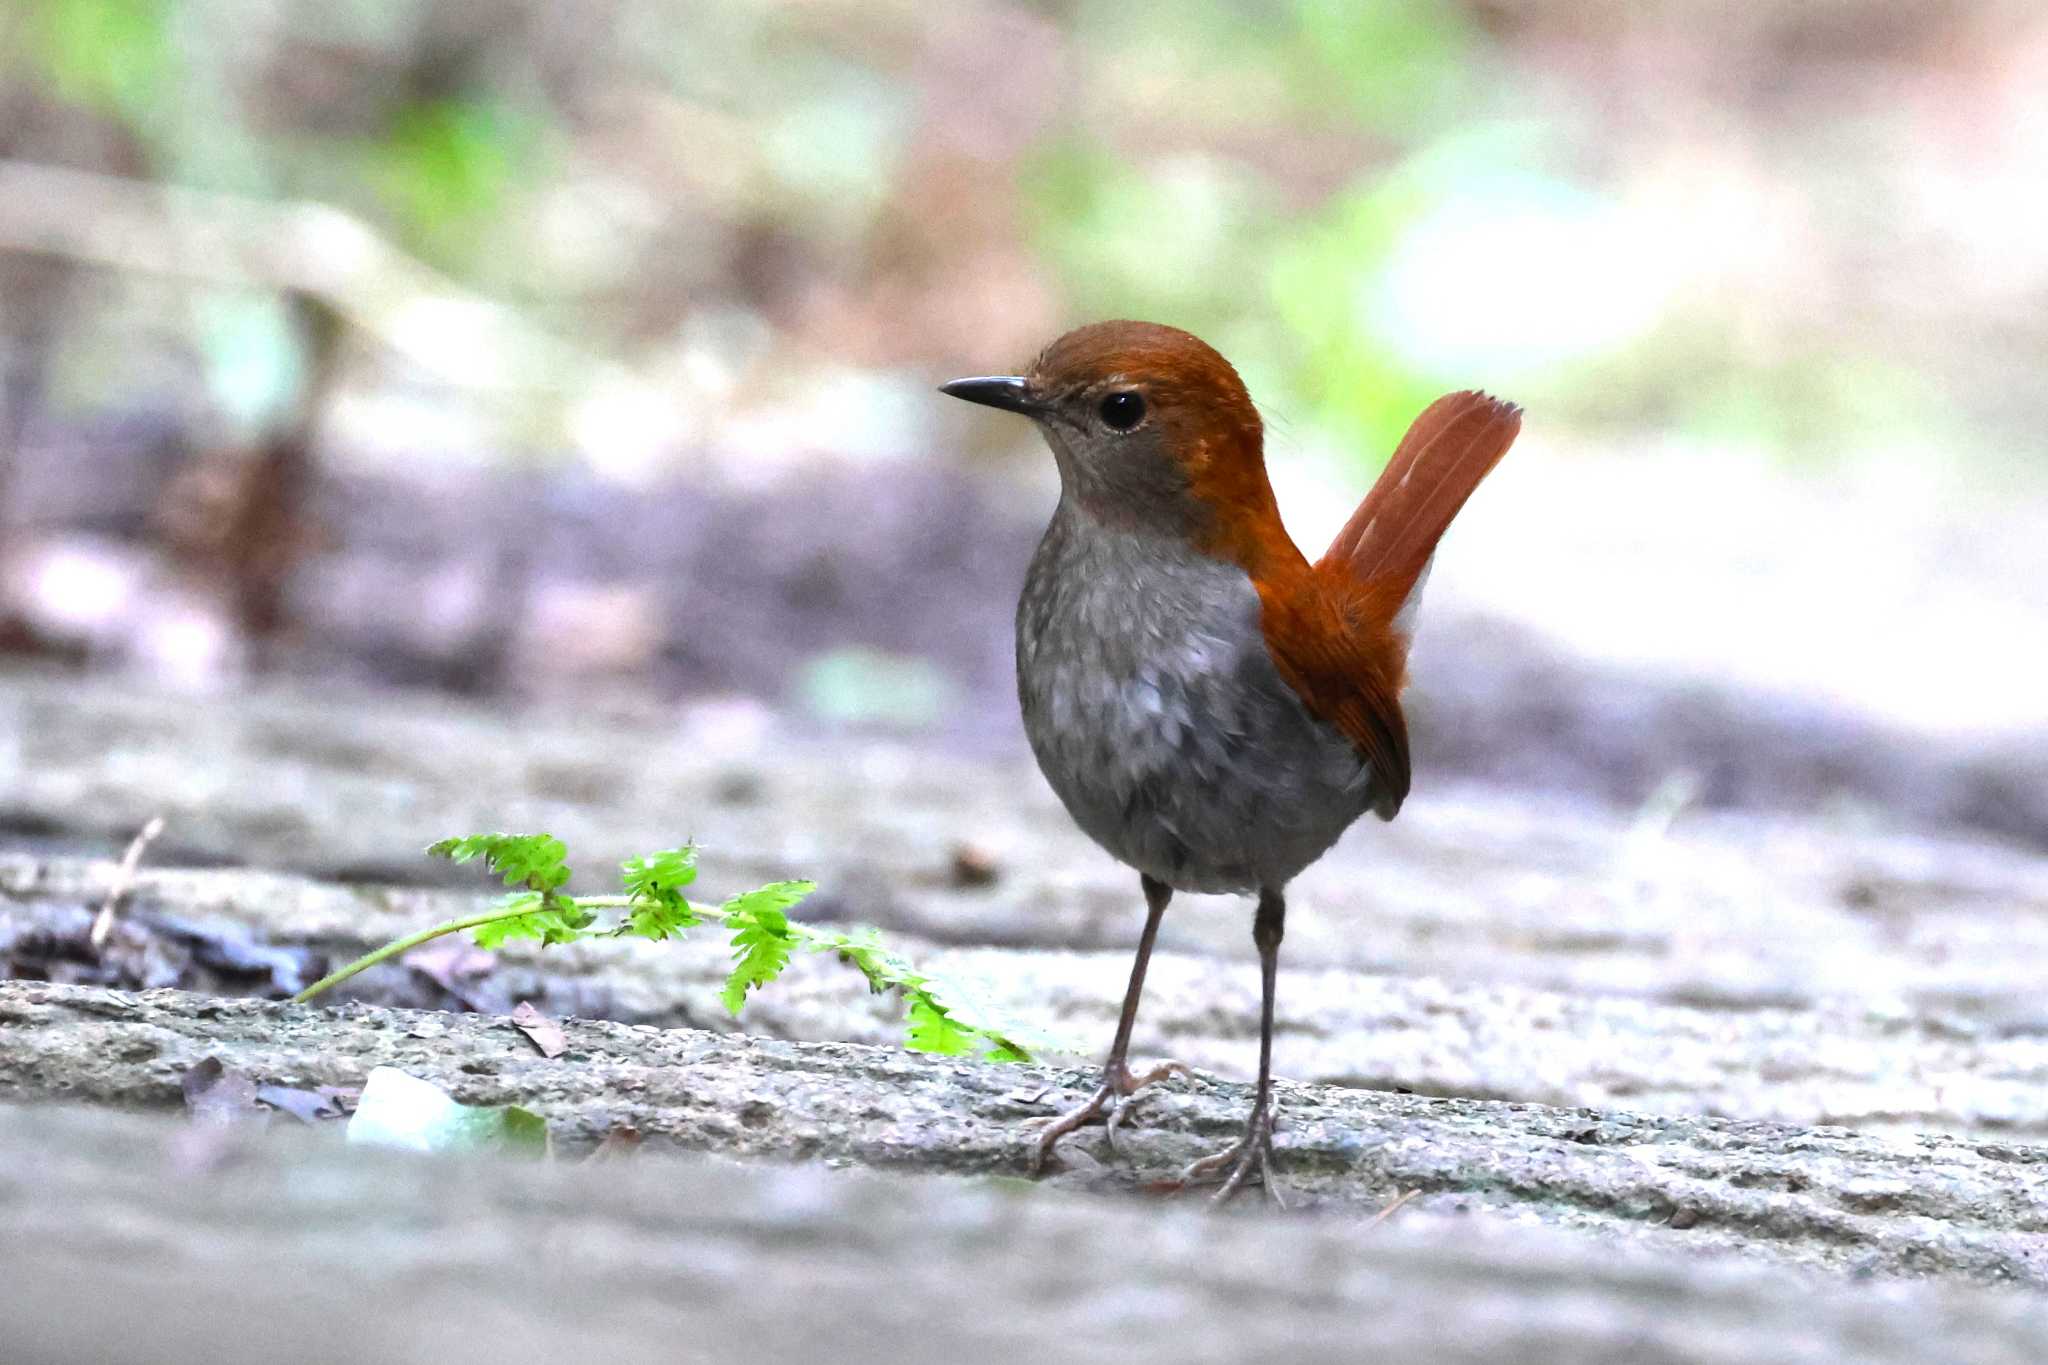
[(1112, 1102), (1235, 1163)]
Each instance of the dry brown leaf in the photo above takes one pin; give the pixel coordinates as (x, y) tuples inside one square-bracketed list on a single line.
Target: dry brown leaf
[(544, 1032)]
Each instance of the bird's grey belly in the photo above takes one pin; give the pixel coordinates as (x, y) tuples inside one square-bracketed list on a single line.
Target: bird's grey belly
[(1158, 717)]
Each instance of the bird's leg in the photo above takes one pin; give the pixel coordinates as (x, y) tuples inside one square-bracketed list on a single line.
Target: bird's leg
[(1254, 1151), (1120, 1086)]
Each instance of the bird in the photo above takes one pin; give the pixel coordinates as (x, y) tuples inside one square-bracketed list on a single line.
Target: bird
[(1211, 707)]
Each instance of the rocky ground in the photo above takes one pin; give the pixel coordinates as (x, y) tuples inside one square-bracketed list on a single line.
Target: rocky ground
[(1652, 1083), (246, 1247)]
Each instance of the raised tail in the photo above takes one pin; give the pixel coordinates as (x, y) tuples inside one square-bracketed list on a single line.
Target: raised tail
[(1384, 550)]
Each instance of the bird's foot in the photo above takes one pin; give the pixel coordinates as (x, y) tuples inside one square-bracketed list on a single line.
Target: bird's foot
[(1111, 1103), (1250, 1154)]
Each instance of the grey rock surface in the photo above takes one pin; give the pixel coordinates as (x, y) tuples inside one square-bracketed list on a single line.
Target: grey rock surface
[(1872, 1064), (1724, 911), (1869, 1203), (1816, 1041), (225, 1246)]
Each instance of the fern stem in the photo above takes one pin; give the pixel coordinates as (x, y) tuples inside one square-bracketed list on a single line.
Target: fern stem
[(400, 945), (705, 913), (453, 926)]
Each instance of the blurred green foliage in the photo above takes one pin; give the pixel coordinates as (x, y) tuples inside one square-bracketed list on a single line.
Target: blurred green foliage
[(1145, 239), (1391, 65), (436, 168), (1356, 382), (1401, 64), (110, 55), (443, 168), (1212, 243), (1351, 198)]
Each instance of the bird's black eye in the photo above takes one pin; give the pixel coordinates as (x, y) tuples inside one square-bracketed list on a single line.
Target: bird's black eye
[(1122, 410)]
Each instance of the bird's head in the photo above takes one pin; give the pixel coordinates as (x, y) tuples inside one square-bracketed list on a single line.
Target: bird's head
[(1151, 428)]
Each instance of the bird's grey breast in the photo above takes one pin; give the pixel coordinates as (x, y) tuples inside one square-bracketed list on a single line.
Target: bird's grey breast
[(1157, 715)]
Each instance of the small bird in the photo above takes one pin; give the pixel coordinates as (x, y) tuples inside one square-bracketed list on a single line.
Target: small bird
[(1213, 709)]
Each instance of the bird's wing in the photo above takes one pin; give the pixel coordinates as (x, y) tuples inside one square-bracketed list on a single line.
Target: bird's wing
[(1339, 632), (1346, 672)]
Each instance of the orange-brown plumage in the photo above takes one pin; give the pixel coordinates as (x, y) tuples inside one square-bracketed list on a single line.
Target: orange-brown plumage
[(1372, 570)]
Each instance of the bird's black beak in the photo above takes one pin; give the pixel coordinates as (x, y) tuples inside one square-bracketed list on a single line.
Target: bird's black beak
[(996, 391)]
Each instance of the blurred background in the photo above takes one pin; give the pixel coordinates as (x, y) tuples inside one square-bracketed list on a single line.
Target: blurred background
[(584, 350)]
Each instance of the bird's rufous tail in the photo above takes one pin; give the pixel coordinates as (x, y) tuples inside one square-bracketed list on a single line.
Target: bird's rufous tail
[(1386, 545)]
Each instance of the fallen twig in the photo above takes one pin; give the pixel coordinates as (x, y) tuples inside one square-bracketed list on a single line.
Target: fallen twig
[(124, 878)]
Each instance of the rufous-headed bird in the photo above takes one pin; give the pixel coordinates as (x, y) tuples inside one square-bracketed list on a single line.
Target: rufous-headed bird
[(1213, 708)]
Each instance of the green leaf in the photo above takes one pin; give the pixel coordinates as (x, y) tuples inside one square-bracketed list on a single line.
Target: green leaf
[(944, 1018), (535, 861), (660, 873), (398, 1110), (657, 920), (863, 950), (464, 849), (543, 917), (931, 1029), (775, 897), (655, 884), (760, 951), (762, 938), (941, 1016)]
